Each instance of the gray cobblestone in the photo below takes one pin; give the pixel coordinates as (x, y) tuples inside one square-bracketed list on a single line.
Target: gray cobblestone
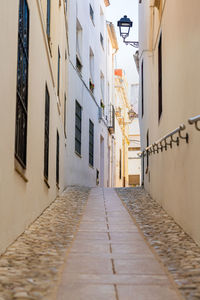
[(29, 267), (176, 249)]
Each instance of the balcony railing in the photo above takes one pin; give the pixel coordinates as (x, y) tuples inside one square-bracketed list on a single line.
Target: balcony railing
[(111, 119)]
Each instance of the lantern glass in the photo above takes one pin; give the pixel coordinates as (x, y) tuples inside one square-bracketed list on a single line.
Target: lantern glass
[(131, 114), (124, 25)]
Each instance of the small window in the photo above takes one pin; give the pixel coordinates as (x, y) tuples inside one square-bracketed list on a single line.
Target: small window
[(91, 143), (102, 82), (58, 75), (66, 5), (57, 158), (147, 151), (160, 78), (101, 40), (46, 135), (91, 13), (142, 88), (78, 46), (78, 120), (65, 115), (48, 19), (91, 80), (120, 164)]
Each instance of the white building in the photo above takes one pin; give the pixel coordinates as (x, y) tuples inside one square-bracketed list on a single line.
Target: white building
[(92, 44), (134, 162), (134, 148)]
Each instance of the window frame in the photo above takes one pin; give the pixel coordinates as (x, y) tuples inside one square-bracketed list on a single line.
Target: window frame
[(58, 73), (91, 143), (48, 19), (22, 84), (57, 158), (160, 96), (78, 129), (46, 133), (142, 88)]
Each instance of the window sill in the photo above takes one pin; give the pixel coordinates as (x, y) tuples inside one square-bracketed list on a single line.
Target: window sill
[(46, 182), (20, 170), (79, 155)]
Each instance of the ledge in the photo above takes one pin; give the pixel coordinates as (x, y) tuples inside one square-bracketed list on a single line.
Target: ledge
[(20, 170), (46, 182), (79, 155)]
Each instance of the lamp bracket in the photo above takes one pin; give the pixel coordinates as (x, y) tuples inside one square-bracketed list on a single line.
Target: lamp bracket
[(131, 43)]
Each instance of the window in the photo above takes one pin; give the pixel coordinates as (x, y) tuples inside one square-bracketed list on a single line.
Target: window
[(147, 151), (58, 75), (78, 46), (160, 78), (91, 13), (102, 82), (66, 5), (48, 18), (57, 158), (65, 114), (120, 164), (91, 143), (46, 135), (91, 80), (142, 88), (22, 84), (102, 26), (78, 117), (101, 39)]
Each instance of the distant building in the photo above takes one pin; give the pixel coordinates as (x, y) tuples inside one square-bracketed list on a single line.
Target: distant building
[(134, 148), (90, 111), (122, 107)]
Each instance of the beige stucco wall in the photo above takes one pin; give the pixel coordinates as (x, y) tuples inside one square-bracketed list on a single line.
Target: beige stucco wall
[(22, 202), (173, 175)]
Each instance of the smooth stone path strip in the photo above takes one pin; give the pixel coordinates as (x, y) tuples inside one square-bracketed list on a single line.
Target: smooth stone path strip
[(177, 251), (109, 259)]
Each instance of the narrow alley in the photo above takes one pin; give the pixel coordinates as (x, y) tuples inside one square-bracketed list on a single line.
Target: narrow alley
[(87, 245)]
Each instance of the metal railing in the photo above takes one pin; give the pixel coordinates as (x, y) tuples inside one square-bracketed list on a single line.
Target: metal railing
[(166, 141), (194, 120)]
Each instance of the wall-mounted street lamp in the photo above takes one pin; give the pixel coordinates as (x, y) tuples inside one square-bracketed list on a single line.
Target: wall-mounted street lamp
[(131, 114), (125, 25)]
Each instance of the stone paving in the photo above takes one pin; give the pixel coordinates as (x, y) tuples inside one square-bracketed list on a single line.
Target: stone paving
[(30, 266), (175, 248), (110, 260)]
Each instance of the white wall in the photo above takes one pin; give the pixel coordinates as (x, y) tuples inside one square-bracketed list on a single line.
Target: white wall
[(77, 168)]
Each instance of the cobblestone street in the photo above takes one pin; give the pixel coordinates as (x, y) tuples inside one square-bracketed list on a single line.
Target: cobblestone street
[(111, 256), (29, 267)]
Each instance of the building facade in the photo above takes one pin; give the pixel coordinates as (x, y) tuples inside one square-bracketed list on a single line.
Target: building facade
[(122, 107), (134, 148), (34, 54), (169, 97), (90, 114)]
